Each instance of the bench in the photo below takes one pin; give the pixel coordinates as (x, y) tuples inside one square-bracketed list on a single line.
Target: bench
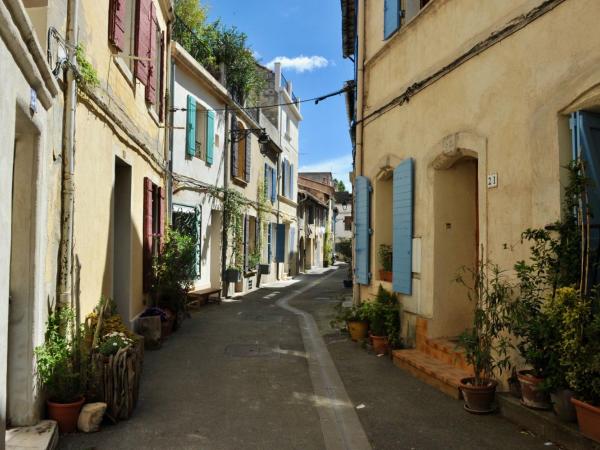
[(203, 296)]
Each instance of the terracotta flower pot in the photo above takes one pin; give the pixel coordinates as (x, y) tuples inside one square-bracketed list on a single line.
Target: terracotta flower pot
[(65, 414), (358, 329), (588, 417), (380, 344), (478, 399), (562, 405), (385, 275), (532, 395)]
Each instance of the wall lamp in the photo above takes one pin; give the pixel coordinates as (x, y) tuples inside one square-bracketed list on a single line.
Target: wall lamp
[(238, 134)]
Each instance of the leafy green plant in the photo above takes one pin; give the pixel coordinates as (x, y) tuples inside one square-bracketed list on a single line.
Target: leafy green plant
[(88, 76), (327, 245), (112, 342), (60, 362), (175, 271), (486, 344), (355, 313), (384, 254), (384, 316), (261, 215)]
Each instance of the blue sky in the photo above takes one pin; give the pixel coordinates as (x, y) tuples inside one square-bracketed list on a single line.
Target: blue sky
[(292, 29)]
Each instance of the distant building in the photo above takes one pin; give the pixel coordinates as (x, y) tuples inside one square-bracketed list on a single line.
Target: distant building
[(342, 216)]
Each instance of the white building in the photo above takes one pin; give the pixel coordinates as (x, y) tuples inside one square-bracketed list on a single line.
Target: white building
[(342, 216)]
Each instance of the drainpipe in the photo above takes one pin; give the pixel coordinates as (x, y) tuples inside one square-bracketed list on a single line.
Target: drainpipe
[(65, 288), (278, 212), (226, 143), (170, 128)]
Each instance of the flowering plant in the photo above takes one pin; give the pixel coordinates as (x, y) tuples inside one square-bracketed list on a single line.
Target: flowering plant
[(112, 342)]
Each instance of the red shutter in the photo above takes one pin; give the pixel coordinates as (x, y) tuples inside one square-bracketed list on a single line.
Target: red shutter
[(161, 215), (152, 69), (161, 95), (147, 235), (116, 23), (143, 29)]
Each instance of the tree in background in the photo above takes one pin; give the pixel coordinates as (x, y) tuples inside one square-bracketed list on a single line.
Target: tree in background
[(339, 185), (213, 44)]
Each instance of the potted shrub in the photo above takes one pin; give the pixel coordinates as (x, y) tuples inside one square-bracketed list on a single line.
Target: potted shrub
[(167, 319), (62, 368), (580, 338), (485, 345), (264, 269), (174, 274), (233, 275), (384, 321), (348, 280), (385, 257), (354, 319)]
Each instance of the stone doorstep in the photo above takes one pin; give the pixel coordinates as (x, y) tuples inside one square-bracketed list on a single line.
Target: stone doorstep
[(43, 436), (446, 351), (442, 376), (544, 424)]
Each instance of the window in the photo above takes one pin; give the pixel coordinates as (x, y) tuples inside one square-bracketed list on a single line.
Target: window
[(188, 221), (241, 153), (250, 241), (153, 227), (391, 17), (348, 223)]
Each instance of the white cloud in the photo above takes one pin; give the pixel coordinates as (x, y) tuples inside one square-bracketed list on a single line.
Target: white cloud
[(340, 167), (300, 63)]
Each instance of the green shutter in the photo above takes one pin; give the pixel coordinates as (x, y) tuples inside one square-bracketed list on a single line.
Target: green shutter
[(190, 147), (210, 136)]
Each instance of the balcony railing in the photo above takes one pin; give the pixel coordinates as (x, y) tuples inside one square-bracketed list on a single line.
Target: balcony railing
[(286, 85)]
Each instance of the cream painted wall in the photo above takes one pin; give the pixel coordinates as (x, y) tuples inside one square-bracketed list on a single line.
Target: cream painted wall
[(509, 106)]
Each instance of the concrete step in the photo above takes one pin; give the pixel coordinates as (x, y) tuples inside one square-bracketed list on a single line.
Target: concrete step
[(43, 436), (443, 376), (446, 351)]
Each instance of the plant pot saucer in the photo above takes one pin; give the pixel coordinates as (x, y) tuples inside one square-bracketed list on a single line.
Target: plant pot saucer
[(492, 410), (538, 408)]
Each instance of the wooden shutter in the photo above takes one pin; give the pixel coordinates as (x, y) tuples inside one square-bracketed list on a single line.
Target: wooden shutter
[(234, 159), (161, 215), (152, 68), (273, 185), (248, 151), (143, 29), (190, 128), (391, 17), (362, 227), (161, 71), (147, 236), (210, 136), (116, 23), (280, 245), (402, 219), (246, 238)]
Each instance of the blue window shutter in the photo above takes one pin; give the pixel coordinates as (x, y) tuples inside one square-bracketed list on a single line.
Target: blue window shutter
[(190, 129), (210, 136), (293, 193), (362, 226), (248, 151), (280, 246), (391, 17), (290, 178), (402, 217), (273, 185), (283, 178)]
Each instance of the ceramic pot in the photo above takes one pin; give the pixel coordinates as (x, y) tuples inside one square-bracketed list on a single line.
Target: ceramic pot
[(532, 395), (562, 405), (384, 275), (264, 269), (381, 344), (478, 399), (358, 329), (65, 414), (588, 417)]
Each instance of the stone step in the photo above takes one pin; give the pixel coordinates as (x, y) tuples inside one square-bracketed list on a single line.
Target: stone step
[(443, 376), (446, 351)]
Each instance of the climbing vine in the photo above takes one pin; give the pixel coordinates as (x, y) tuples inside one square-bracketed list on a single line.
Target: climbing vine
[(234, 208), (261, 212), (87, 75)]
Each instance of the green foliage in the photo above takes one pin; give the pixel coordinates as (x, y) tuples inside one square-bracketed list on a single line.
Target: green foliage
[(215, 44), (327, 245), (88, 76), (344, 248), (339, 185), (486, 344), (261, 215), (112, 342), (356, 313), (385, 256), (384, 316), (175, 270), (59, 360)]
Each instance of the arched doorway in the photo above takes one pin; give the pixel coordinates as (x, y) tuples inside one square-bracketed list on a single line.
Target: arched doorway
[(456, 238)]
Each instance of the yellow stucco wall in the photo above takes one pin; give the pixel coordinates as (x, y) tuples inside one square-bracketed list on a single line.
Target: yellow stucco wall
[(99, 141), (508, 107)]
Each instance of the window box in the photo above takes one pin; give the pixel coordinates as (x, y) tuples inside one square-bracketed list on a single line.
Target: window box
[(264, 269)]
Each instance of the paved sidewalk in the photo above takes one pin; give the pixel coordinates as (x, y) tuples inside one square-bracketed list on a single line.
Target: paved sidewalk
[(237, 376)]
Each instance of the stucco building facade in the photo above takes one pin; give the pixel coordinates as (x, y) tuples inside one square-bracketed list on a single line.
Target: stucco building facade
[(462, 127)]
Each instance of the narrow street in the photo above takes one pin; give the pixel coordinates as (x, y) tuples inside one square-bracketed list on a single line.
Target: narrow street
[(251, 374)]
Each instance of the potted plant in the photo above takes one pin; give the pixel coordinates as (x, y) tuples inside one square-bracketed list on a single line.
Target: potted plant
[(62, 368), (354, 319), (174, 274), (264, 269), (348, 280), (385, 257), (580, 341), (384, 321), (253, 261), (485, 344), (233, 275)]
